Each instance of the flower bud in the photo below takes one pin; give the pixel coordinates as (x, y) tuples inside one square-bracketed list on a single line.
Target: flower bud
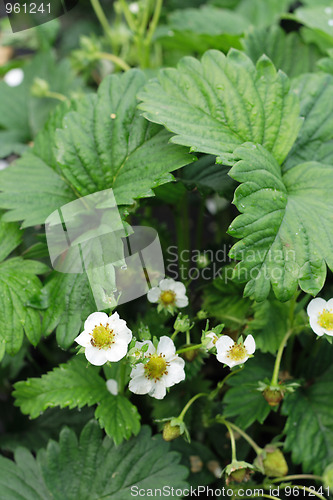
[(190, 355), (39, 88), (328, 477), (182, 323)]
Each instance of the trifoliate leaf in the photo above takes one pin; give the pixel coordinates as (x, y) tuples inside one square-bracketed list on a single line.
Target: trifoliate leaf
[(309, 427), (91, 468), (76, 384), (103, 143), (243, 401), (287, 51), (10, 237), (215, 105), (71, 302), (283, 243), (315, 139)]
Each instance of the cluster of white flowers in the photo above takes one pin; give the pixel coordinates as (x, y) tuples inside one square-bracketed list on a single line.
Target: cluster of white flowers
[(155, 367)]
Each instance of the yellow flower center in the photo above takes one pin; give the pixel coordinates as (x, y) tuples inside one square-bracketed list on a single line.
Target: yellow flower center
[(168, 297), (156, 367), (237, 352), (102, 336), (325, 319)]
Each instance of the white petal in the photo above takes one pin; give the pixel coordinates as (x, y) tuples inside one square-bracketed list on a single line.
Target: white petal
[(179, 288), (329, 304), (319, 330), (138, 370), (83, 339), (176, 374), (250, 344), (166, 347), (112, 386), (158, 390), (116, 352), (154, 294), (124, 336), (212, 342), (166, 284), (181, 301), (115, 317), (95, 319), (222, 358), (223, 344), (315, 306), (95, 356), (140, 385)]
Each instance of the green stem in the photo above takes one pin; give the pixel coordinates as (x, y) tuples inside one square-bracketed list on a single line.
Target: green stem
[(252, 443), (264, 495), (122, 375), (188, 337), (185, 349), (233, 441), (275, 377), (190, 402), (55, 95), (115, 59), (173, 336), (101, 17), (219, 386), (296, 476), (128, 16), (154, 22)]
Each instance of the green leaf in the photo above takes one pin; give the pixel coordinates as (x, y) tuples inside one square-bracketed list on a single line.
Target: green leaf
[(91, 468), (262, 13), (33, 200), (208, 20), (71, 302), (215, 105), (18, 283), (318, 18), (315, 139), (208, 177), (22, 114), (118, 417), (223, 299), (269, 325), (76, 384), (120, 149), (243, 401), (309, 427), (73, 384), (287, 51), (10, 237), (282, 244)]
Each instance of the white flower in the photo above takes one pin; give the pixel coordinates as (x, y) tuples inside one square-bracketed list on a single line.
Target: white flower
[(321, 316), (212, 342), (163, 369), (14, 77), (112, 386), (169, 294), (105, 338), (232, 353)]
